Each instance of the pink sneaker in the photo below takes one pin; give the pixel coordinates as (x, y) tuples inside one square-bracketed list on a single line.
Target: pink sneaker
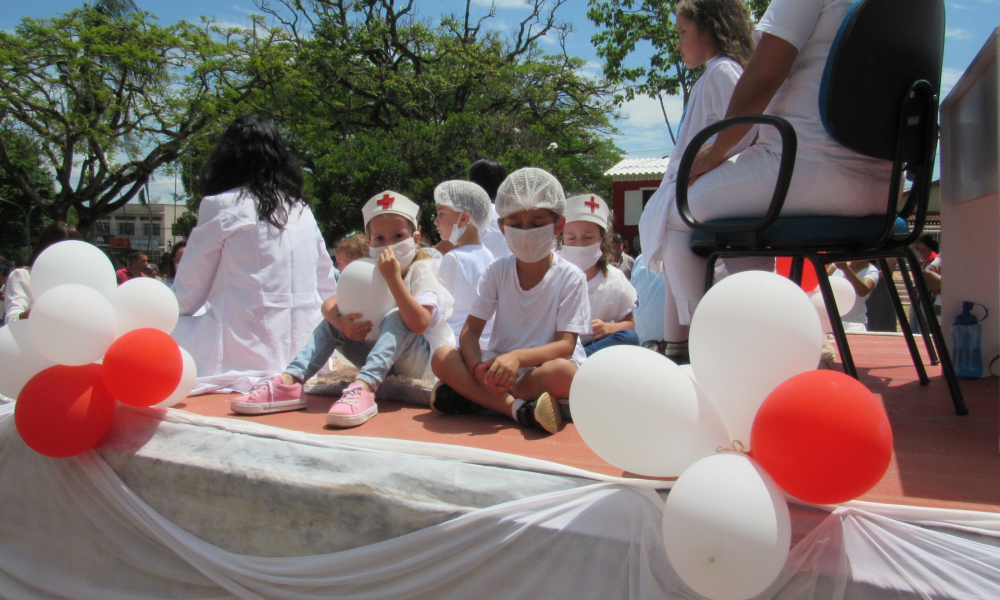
[(356, 405), (270, 396)]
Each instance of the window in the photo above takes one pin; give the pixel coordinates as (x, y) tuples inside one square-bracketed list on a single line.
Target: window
[(103, 227), (126, 228)]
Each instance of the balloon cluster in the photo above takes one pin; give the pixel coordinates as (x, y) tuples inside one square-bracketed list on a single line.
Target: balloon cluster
[(86, 343), (748, 421)]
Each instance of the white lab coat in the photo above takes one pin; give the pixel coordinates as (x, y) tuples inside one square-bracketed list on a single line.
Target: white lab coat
[(264, 288)]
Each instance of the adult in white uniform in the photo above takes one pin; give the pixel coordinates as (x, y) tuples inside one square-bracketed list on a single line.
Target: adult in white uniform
[(256, 257), (782, 78)]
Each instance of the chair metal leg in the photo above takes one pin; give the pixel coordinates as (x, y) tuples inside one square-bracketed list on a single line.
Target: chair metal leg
[(947, 369), (918, 362), (795, 272), (834, 314), (710, 270), (918, 312)]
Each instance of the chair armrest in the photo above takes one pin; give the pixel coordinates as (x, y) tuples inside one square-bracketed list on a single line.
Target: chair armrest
[(789, 145)]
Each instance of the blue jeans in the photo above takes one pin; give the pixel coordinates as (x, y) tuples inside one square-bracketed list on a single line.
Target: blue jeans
[(397, 351), (625, 337)]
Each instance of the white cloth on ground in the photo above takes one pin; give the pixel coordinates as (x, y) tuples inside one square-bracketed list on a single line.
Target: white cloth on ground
[(857, 318), (460, 270), (265, 287), (63, 520), (17, 295), (611, 298), (531, 318)]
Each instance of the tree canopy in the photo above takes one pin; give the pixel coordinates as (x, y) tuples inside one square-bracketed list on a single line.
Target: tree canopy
[(110, 98)]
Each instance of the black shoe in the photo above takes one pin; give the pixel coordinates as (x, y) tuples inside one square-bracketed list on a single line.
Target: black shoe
[(541, 414), (447, 401)]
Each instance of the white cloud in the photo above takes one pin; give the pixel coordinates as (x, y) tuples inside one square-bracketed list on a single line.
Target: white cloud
[(644, 132), (957, 34)]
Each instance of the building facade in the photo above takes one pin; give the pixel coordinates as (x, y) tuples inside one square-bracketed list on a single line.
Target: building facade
[(145, 228), (633, 182)]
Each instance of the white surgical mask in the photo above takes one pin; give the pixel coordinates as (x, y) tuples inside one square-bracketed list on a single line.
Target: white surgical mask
[(405, 252), (456, 233), (530, 245), (582, 256)]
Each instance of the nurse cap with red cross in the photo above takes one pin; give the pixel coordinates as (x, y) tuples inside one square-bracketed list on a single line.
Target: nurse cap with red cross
[(588, 207), (390, 203)]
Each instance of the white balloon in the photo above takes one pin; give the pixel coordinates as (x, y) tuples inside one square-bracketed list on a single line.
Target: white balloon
[(189, 377), (843, 293), (144, 302), (19, 359), (72, 325), (640, 412), (751, 332), (824, 319), (73, 261), (362, 289), (726, 527)]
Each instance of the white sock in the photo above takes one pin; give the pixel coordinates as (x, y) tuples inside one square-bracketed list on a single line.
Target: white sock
[(513, 408)]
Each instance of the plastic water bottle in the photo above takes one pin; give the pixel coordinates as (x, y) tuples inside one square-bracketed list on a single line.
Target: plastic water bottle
[(966, 338)]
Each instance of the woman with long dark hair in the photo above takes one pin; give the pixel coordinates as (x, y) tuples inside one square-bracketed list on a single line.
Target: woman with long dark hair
[(256, 262)]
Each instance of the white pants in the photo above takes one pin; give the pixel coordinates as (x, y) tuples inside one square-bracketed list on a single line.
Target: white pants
[(742, 187)]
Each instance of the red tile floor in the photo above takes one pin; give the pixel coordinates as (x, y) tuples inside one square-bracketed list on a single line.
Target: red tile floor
[(939, 460)]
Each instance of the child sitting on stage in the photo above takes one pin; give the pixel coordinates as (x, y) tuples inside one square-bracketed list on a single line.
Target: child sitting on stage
[(540, 304), (407, 337), (463, 210), (586, 244)]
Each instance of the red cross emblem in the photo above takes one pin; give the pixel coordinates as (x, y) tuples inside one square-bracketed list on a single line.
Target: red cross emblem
[(386, 202), (592, 204)]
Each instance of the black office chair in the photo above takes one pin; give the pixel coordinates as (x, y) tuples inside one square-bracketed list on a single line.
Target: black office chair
[(878, 97)]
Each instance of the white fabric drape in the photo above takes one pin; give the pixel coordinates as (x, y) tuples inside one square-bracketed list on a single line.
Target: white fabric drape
[(69, 528)]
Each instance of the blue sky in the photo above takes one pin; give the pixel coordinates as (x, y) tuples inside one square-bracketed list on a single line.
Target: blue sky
[(643, 133)]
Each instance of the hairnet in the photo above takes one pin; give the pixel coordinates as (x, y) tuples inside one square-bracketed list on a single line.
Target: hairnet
[(465, 196), (529, 189)]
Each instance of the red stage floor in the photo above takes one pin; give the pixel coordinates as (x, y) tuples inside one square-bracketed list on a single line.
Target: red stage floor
[(939, 460)]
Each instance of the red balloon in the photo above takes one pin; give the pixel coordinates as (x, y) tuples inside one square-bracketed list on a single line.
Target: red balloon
[(809, 281), (63, 411), (143, 367), (823, 437)]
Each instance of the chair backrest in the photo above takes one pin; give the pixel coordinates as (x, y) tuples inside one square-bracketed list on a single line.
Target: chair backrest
[(882, 48)]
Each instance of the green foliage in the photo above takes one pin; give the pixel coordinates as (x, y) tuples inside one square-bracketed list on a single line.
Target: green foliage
[(109, 98), (15, 205), (380, 99)]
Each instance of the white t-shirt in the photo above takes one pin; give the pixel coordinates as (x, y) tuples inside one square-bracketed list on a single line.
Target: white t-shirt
[(810, 26), (427, 289), (612, 298), (531, 318), (17, 295), (461, 269), (493, 238), (857, 318)]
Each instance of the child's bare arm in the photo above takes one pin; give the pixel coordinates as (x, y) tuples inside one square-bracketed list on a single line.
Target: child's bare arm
[(503, 369), (468, 341), (416, 317), (603, 329)]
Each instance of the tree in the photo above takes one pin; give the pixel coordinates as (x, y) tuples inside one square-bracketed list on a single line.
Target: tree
[(16, 208), (378, 97), (631, 24), (109, 96)]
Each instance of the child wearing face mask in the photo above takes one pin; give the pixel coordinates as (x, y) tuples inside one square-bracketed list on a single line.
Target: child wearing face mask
[(586, 244), (407, 337), (539, 302), (463, 210)]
